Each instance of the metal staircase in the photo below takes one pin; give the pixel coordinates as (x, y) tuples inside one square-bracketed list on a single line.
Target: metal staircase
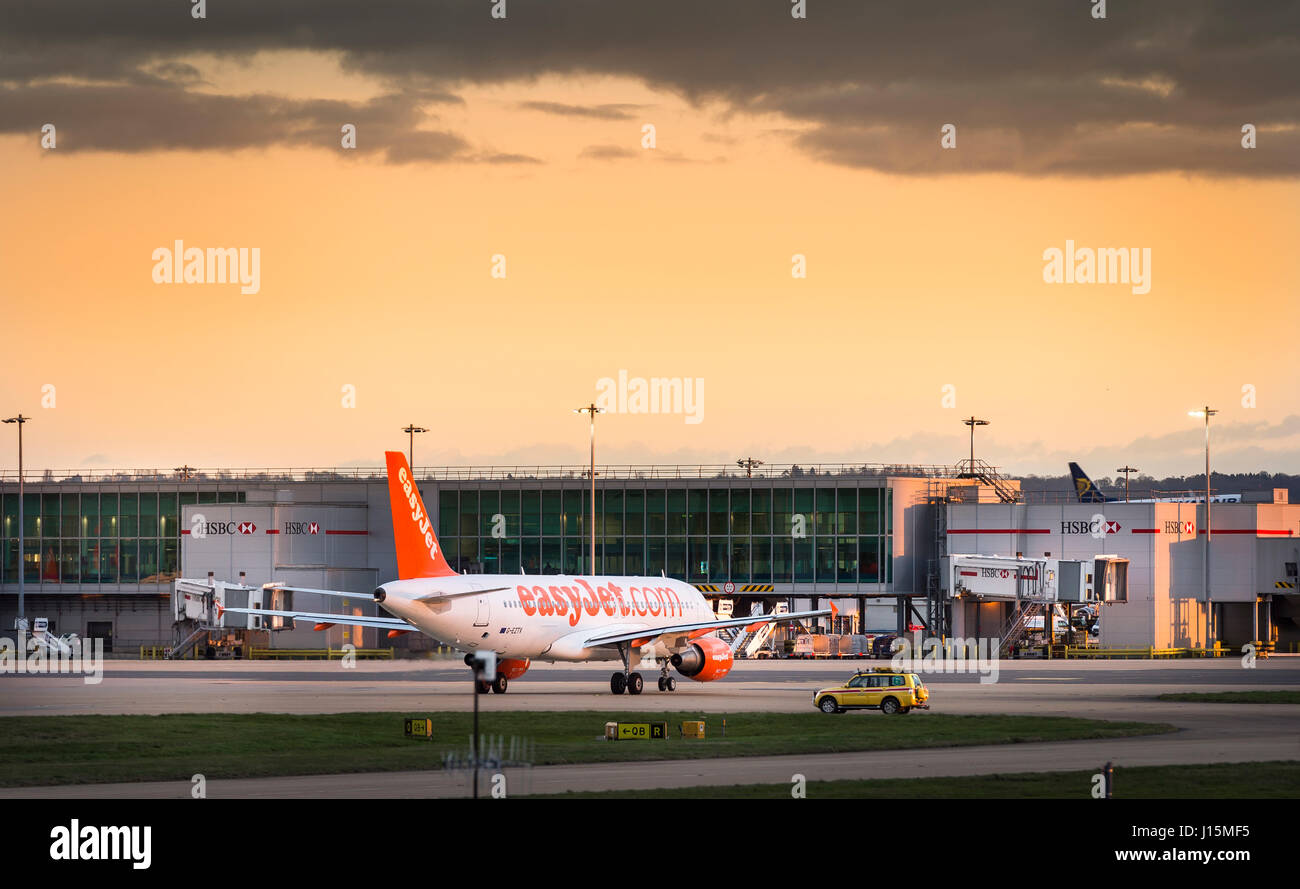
[(183, 647), (731, 635), (751, 644), (1015, 626), (745, 643), (986, 474)]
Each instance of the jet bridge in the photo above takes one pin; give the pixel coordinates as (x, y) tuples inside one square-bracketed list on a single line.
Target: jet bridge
[(198, 612), (1013, 596), (1103, 578)]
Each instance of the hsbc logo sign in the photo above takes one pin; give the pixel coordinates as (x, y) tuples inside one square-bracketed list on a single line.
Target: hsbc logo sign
[(200, 527), (1098, 526), (301, 527), (1177, 527), (1005, 573)]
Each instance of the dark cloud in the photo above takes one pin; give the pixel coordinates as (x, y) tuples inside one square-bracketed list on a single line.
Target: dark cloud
[(607, 153), (132, 118), (599, 112), (1034, 86), (178, 73), (501, 158)]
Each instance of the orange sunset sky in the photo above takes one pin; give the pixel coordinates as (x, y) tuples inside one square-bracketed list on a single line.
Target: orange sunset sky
[(924, 266)]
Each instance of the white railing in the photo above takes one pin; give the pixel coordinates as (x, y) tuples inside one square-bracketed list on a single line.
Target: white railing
[(503, 473)]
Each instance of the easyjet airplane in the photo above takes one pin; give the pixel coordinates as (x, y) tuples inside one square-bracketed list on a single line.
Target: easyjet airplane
[(524, 618)]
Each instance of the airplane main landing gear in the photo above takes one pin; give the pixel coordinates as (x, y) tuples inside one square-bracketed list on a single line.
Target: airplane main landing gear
[(482, 686), (500, 684), (627, 680), (632, 683)]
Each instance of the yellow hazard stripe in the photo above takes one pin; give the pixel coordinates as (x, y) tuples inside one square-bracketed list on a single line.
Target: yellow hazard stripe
[(744, 588)]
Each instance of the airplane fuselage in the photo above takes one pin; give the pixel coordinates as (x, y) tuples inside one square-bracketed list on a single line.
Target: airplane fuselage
[(543, 616)]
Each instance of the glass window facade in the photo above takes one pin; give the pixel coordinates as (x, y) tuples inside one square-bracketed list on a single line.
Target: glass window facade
[(834, 535), (97, 536)]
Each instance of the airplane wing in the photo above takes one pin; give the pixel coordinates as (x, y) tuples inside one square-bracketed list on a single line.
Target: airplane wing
[(434, 597), (651, 633), (351, 620), (302, 589), (430, 597)]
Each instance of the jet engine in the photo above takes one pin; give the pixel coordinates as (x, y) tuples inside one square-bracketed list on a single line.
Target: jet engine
[(509, 667), (704, 660)]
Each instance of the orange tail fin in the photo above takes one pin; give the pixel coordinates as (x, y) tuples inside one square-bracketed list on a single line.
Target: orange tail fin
[(418, 553)]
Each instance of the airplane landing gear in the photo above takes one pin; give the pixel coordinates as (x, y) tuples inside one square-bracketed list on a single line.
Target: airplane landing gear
[(482, 686), (500, 684), (666, 682), (627, 680)]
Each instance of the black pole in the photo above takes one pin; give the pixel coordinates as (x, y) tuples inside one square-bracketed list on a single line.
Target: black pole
[(474, 740), (22, 544), (22, 520)]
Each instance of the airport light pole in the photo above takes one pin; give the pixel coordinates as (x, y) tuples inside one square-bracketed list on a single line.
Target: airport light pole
[(1126, 469), (749, 464), (591, 410), (22, 567), (1206, 412), (410, 446), (972, 421), (185, 472)]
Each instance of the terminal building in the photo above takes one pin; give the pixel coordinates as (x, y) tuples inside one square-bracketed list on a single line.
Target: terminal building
[(102, 551), (1175, 597)]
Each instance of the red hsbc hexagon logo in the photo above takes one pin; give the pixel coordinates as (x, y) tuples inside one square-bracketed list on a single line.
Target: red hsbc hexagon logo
[(247, 527), (1112, 527), (313, 527)]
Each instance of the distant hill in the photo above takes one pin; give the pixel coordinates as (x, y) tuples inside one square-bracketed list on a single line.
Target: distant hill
[(1142, 486)]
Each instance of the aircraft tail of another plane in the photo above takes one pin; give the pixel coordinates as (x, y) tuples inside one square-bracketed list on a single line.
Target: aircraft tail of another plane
[(1084, 487)]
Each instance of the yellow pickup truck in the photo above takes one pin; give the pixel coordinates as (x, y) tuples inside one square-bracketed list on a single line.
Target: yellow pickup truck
[(884, 689)]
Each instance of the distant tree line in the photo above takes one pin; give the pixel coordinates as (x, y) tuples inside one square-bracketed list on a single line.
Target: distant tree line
[(1142, 484)]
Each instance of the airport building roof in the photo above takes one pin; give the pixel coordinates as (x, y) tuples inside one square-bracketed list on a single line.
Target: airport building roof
[(632, 471)]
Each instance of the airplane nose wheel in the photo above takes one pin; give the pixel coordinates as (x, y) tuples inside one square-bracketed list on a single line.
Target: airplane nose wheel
[(666, 682)]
